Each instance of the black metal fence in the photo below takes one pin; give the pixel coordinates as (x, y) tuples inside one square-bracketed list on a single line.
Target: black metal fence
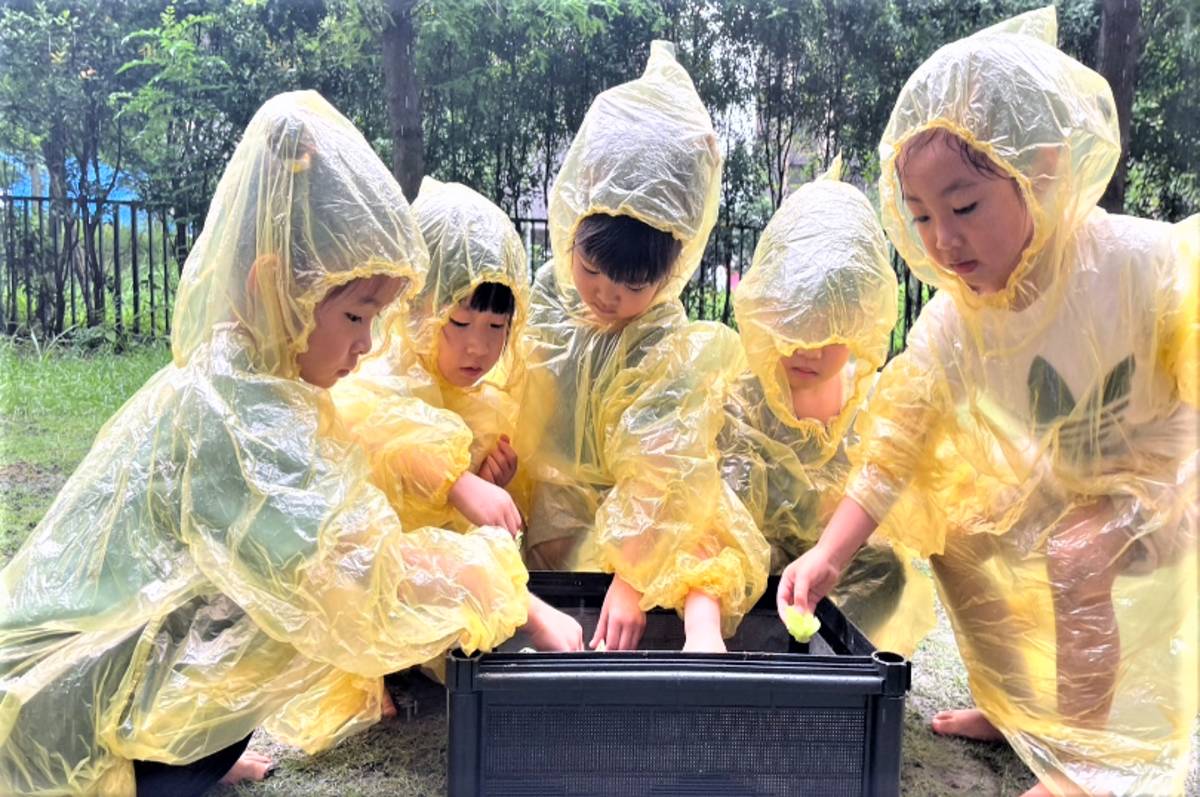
[(79, 264), (83, 267)]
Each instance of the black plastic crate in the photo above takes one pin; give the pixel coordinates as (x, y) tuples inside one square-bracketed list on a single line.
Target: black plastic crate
[(756, 721)]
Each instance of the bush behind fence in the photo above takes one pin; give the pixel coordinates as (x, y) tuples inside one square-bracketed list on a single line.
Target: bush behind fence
[(89, 270)]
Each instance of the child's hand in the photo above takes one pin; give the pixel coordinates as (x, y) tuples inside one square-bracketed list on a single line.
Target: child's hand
[(550, 629), (805, 581), (622, 621), (500, 465), (485, 504)]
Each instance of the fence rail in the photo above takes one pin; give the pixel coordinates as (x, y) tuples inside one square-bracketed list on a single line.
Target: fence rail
[(112, 268)]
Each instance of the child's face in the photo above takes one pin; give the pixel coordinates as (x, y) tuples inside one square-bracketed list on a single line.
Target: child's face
[(809, 368), (343, 329), (471, 344), (973, 224), (612, 302)]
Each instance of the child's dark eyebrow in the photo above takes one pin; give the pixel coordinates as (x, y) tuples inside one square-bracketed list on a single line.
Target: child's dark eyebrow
[(962, 182), (957, 185)]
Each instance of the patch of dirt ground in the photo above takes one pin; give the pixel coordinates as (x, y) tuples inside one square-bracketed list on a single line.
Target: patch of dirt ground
[(26, 490)]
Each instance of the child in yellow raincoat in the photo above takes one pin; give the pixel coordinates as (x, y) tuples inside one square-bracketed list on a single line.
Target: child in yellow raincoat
[(219, 561), (617, 432), (436, 407), (815, 314), (1038, 438), (452, 363)]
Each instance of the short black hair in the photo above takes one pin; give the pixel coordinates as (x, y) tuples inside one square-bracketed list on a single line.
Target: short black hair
[(976, 159), (626, 250), (493, 297)]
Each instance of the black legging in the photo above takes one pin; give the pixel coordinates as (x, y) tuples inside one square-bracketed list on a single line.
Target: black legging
[(155, 779)]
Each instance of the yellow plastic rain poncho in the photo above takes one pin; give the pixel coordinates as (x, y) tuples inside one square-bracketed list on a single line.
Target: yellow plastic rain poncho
[(618, 424), (219, 560), (421, 431), (1064, 404), (820, 276)]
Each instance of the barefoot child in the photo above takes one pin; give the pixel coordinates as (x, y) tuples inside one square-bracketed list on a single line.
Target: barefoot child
[(815, 314), (623, 401), (1043, 417), (435, 409), (219, 560)]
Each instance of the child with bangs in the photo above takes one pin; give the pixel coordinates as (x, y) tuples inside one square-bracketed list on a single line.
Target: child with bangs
[(624, 395), (436, 409)]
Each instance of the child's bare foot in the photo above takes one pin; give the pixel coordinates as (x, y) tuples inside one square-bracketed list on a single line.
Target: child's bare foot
[(251, 766), (968, 723), (389, 707)]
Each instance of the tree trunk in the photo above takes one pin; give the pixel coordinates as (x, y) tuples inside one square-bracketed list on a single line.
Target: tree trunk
[(1119, 49), (93, 294), (35, 176), (62, 220), (404, 97)]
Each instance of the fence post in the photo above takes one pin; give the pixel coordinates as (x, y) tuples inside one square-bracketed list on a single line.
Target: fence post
[(5, 315), (150, 265), (43, 271), (26, 256), (133, 246), (60, 302), (68, 247), (166, 286), (9, 246), (118, 299), (100, 270)]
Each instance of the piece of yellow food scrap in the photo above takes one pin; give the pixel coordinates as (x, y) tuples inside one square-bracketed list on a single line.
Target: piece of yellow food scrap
[(801, 625)]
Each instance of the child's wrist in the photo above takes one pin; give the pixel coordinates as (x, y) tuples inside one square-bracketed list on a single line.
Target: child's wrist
[(460, 485), (701, 612), (535, 611), (833, 554)]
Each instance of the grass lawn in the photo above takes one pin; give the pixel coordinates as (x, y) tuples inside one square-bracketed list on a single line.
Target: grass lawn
[(50, 410)]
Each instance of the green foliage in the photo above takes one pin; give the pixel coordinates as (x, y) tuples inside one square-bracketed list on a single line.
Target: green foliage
[(183, 132), (507, 84), (1164, 174), (164, 93), (203, 73), (62, 66), (790, 83)]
